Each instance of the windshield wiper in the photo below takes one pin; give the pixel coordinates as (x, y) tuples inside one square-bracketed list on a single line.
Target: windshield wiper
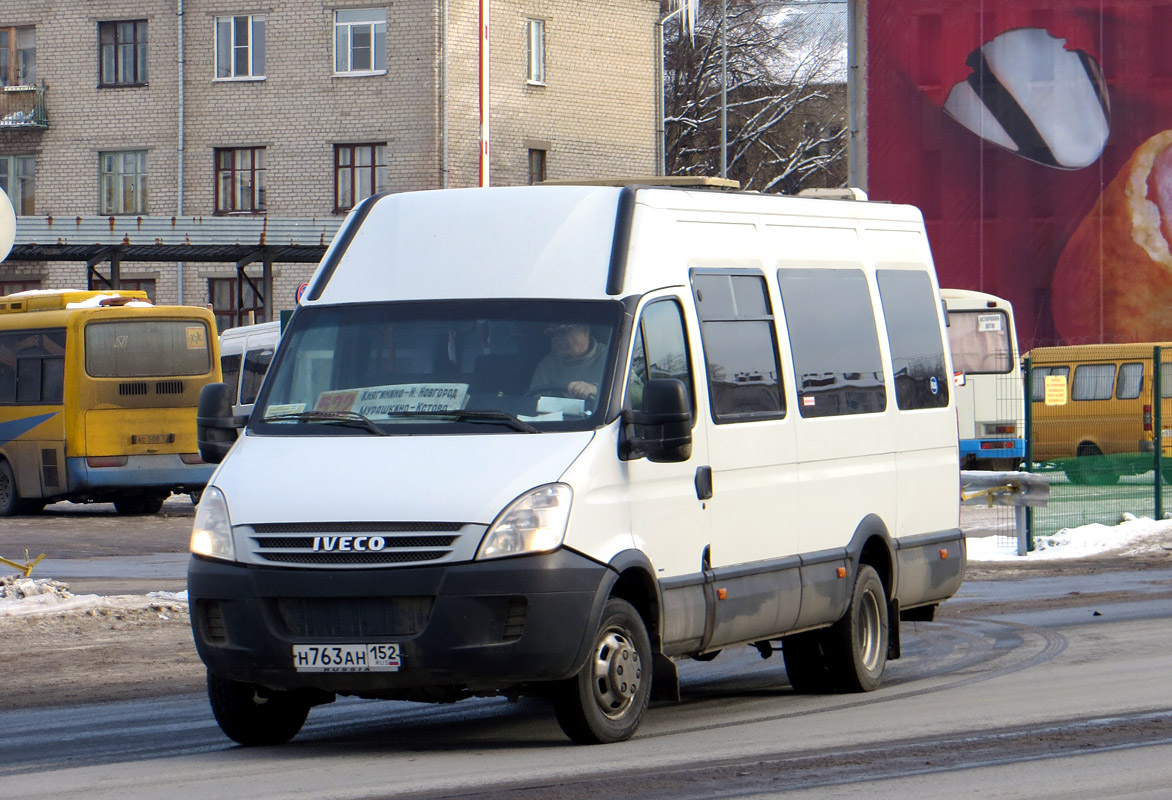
[(474, 415), (350, 418)]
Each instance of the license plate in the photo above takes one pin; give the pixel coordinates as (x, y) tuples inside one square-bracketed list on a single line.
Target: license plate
[(152, 438), (346, 657)]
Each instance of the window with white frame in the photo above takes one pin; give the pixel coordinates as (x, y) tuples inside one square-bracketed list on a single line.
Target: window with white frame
[(240, 180), (240, 47), (360, 41), (122, 53), (17, 181), (360, 170), (124, 182), (535, 49), (18, 56)]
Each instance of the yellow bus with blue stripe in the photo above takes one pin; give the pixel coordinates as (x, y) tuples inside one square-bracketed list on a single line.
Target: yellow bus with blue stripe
[(98, 392)]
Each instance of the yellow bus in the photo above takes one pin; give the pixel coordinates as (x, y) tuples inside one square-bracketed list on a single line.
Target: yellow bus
[(1093, 409), (98, 392)]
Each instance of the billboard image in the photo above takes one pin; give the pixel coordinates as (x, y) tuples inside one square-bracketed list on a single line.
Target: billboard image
[(1037, 139)]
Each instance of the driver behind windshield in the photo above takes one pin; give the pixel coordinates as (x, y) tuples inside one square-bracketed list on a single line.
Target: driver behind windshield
[(573, 367)]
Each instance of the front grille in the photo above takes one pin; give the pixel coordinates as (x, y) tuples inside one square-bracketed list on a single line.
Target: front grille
[(361, 544), (168, 387), (354, 616), (132, 389)]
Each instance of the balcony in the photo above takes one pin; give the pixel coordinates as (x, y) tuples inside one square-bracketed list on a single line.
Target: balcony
[(23, 107)]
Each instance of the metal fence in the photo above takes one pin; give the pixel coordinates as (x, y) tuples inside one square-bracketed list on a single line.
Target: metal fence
[(1096, 431)]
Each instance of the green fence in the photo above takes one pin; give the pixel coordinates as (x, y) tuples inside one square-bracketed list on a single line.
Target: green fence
[(1095, 429)]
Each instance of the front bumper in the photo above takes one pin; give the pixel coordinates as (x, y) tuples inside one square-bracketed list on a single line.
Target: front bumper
[(480, 626)]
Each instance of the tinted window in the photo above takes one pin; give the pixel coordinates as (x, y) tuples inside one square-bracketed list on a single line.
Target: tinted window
[(913, 333), (1093, 382), (834, 341), (230, 368), (660, 351), (139, 348), (256, 363), (32, 366), (1131, 381), (736, 324), (1038, 380)]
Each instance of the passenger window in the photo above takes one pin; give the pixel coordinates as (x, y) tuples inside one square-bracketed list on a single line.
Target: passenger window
[(736, 325), (1166, 380), (1093, 382), (230, 370), (913, 334), (1038, 380), (1131, 381), (834, 341), (660, 351), (256, 363)]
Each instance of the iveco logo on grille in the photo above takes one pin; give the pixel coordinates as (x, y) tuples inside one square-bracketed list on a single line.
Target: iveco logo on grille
[(348, 543)]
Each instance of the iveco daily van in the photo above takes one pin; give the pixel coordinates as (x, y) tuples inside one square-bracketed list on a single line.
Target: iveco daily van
[(546, 440), (245, 354)]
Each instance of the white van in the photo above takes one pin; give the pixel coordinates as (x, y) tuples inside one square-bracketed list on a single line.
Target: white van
[(546, 440), (245, 355)]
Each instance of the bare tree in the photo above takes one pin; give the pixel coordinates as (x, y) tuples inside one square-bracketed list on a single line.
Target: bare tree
[(785, 94)]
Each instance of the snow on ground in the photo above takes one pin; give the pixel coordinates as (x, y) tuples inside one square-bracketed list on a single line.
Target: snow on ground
[(21, 596)]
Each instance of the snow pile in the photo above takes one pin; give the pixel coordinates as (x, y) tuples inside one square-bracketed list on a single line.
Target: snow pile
[(1133, 536), (21, 596)]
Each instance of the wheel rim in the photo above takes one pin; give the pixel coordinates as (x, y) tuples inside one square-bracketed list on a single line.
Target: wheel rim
[(868, 631), (7, 489), (618, 672)]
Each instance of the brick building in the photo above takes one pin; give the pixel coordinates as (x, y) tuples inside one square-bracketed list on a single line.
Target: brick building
[(217, 113)]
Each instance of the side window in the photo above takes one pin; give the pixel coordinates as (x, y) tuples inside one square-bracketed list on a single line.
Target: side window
[(1131, 381), (740, 348), (1093, 382), (660, 351), (230, 368), (834, 341), (256, 363), (913, 334), (32, 367), (1038, 380), (1166, 380)]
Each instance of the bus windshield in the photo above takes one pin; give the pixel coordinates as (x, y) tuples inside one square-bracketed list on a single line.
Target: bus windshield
[(442, 367), (980, 341), (140, 348)]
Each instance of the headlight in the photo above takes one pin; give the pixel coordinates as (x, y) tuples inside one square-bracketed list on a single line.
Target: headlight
[(533, 523), (211, 533)]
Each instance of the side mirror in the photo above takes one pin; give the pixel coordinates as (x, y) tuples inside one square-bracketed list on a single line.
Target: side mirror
[(215, 427), (662, 430)]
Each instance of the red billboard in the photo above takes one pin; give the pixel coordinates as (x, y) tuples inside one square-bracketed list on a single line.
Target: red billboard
[(1037, 139)]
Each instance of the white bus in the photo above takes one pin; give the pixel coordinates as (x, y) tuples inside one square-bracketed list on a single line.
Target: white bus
[(990, 399)]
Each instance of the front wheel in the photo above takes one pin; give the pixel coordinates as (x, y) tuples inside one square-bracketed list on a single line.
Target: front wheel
[(254, 716), (606, 700), (857, 643)]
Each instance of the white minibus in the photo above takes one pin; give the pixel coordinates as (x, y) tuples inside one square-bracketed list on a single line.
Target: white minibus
[(547, 440), (245, 354)]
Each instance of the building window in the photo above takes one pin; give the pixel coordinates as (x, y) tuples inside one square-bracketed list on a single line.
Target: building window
[(8, 287), (16, 181), (234, 303), (240, 47), (18, 56), (123, 53), (124, 182), (536, 165), (360, 170), (360, 40), (139, 284), (535, 48), (240, 180)]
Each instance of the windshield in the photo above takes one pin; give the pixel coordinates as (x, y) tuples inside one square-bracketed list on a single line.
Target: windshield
[(442, 367), (139, 347)]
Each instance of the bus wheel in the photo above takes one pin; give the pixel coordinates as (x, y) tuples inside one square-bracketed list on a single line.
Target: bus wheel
[(857, 643), (253, 716), (129, 504), (606, 700), (9, 499), (806, 665)]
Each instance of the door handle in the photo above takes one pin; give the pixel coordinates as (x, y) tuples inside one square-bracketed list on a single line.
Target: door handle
[(704, 482)]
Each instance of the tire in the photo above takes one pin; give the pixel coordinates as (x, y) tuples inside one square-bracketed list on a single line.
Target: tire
[(606, 700), (253, 716), (1090, 468), (856, 645), (134, 504), (10, 504), (806, 664)]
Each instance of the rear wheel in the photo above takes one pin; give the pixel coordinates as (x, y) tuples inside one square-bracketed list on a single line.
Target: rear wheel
[(147, 503), (10, 504), (606, 700), (806, 664), (254, 716), (1091, 468), (856, 645)]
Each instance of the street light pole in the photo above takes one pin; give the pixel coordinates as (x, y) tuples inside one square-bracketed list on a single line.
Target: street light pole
[(661, 111), (724, 88)]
